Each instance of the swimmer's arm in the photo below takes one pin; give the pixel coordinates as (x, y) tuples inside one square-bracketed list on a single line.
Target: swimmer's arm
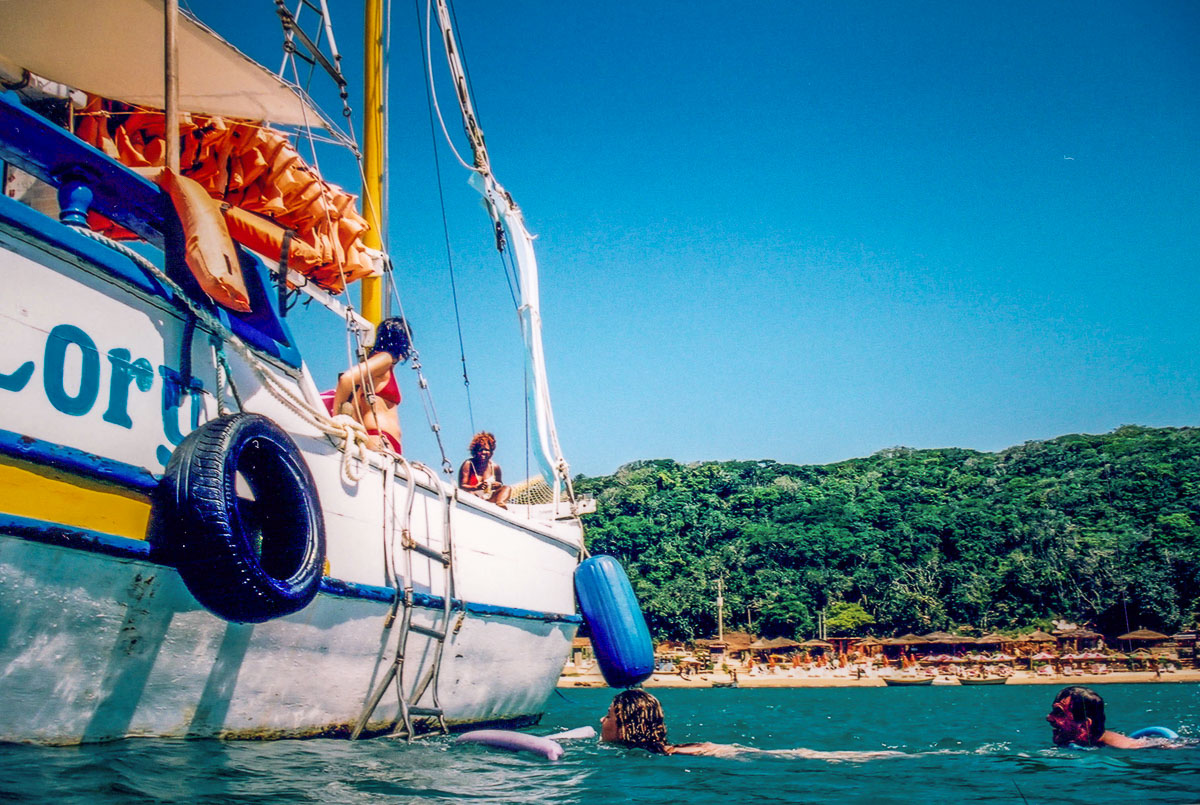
[(1118, 741), (705, 748)]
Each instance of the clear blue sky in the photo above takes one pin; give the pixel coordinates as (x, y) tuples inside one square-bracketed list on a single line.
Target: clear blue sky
[(806, 231)]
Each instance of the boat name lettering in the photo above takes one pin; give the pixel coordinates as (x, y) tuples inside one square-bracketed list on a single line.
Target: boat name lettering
[(126, 373)]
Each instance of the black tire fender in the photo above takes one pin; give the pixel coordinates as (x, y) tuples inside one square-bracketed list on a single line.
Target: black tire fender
[(241, 521)]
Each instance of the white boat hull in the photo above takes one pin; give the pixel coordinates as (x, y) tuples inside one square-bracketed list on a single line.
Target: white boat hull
[(99, 648)]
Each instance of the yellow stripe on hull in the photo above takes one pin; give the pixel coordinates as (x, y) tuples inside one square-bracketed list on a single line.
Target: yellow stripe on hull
[(45, 493)]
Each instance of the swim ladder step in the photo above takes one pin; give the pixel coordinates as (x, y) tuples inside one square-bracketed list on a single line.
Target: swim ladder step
[(430, 553), (430, 712), (430, 633)]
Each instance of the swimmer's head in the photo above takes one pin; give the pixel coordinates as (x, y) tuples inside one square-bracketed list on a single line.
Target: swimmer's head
[(635, 718), (1077, 717), (394, 337)]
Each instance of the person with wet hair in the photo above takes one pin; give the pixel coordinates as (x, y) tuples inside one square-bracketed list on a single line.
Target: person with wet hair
[(481, 476), (1077, 717), (369, 392), (635, 719)]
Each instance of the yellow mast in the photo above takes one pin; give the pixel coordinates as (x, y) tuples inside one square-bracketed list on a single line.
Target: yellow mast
[(373, 134)]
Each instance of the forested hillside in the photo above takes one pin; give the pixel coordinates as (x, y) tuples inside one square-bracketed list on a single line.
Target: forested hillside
[(1101, 528)]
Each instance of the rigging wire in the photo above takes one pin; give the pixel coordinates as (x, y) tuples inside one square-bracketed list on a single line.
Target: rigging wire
[(430, 103), (474, 132), (428, 48), (355, 346)]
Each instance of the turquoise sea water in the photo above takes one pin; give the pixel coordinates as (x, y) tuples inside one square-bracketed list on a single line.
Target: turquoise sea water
[(877, 745)]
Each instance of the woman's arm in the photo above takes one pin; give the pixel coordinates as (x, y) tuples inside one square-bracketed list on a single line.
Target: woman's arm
[(464, 474), (705, 748), (353, 382), (1119, 741)]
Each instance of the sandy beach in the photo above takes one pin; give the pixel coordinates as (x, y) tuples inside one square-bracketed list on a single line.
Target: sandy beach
[(722, 680)]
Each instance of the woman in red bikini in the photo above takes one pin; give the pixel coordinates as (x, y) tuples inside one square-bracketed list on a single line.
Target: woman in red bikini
[(481, 476), (369, 392)]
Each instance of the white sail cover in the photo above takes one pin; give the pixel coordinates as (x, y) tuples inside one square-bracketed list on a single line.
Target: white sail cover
[(502, 208), (114, 48)]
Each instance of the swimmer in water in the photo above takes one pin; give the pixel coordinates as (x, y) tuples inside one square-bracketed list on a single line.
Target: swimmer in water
[(1077, 717), (635, 718)]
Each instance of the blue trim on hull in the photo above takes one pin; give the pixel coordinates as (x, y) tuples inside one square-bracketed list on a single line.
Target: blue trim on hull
[(349, 589), (37, 451), (83, 539)]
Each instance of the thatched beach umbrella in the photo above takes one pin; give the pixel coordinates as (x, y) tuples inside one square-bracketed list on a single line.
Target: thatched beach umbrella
[(759, 646), (1038, 636), (909, 639), (1083, 634), (947, 639), (1143, 634), (783, 643), (939, 637)]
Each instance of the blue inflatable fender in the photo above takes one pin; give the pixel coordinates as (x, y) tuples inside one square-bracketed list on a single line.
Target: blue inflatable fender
[(1155, 732), (618, 628), (514, 742)]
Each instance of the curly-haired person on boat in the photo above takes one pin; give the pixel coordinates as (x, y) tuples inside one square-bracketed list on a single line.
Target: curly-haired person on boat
[(481, 476)]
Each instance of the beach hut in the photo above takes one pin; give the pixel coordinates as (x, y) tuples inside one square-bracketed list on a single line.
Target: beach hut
[(1185, 643), (581, 653), (730, 649), (1077, 639), (897, 647), (869, 646)]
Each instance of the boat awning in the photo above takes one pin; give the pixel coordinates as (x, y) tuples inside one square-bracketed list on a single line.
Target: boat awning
[(114, 49)]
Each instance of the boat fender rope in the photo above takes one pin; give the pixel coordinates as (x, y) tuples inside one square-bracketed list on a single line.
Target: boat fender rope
[(185, 354), (224, 377), (354, 434), (316, 417)]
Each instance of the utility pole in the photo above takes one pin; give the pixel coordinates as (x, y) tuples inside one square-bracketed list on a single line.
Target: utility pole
[(720, 611)]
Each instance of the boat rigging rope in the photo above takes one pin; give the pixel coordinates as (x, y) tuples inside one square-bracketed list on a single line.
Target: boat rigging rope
[(431, 415), (430, 102), (433, 93), (342, 427)]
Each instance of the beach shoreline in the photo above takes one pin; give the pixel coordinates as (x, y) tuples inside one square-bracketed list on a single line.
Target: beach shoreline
[(723, 680)]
